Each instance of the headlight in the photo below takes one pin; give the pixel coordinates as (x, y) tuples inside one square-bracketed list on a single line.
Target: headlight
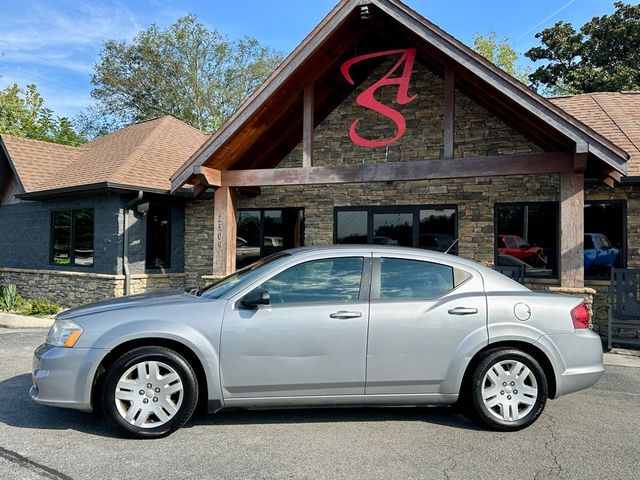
[(64, 333)]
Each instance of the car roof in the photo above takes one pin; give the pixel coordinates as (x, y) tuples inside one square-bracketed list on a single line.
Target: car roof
[(388, 249)]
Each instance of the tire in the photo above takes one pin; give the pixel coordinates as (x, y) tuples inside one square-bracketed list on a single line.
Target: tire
[(504, 400), (149, 392), (539, 260)]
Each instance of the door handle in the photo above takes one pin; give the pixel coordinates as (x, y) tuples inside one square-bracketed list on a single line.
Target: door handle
[(463, 311), (344, 315)]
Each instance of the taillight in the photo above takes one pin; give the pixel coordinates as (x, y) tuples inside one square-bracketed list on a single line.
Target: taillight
[(580, 316)]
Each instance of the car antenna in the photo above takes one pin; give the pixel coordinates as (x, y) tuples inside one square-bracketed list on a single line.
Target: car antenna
[(451, 246)]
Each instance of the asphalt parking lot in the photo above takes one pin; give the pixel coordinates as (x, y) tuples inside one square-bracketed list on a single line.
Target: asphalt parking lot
[(590, 434)]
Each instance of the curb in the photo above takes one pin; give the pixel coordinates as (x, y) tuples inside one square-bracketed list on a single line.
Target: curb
[(10, 320), (622, 358)]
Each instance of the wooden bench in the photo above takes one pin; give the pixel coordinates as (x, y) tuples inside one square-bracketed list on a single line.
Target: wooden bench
[(514, 272), (624, 309)]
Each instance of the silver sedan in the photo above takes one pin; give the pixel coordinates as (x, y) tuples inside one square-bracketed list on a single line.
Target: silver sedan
[(350, 325)]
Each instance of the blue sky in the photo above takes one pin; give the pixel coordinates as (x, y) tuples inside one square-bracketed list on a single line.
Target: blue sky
[(54, 43)]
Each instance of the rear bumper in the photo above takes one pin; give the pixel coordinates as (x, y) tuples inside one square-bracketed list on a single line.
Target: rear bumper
[(62, 377), (578, 363)]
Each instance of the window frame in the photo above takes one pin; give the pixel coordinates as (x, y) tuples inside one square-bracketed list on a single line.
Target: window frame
[(624, 254), (555, 205), (72, 237), (365, 282), (169, 245), (262, 211), (391, 209)]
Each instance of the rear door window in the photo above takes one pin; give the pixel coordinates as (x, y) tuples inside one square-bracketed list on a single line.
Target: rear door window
[(406, 279)]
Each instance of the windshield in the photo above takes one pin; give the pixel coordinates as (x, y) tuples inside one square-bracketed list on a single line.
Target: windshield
[(222, 286)]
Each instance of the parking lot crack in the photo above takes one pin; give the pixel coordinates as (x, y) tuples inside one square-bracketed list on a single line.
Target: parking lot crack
[(446, 471), (551, 446), (41, 470)]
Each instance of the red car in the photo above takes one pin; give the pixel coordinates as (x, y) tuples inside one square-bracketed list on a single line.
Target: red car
[(518, 247)]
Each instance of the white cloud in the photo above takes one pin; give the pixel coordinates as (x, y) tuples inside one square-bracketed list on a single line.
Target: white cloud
[(74, 24)]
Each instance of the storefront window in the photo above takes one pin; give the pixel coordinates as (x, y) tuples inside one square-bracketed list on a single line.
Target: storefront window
[(604, 237), (158, 237), (428, 227), (527, 236), (72, 237), (261, 232)]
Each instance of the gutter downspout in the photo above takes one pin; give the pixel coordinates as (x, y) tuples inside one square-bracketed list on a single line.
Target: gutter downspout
[(125, 242)]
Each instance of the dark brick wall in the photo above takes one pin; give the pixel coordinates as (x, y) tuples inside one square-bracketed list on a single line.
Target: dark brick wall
[(25, 233)]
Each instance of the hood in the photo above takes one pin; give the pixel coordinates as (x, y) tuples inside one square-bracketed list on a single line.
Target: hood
[(130, 301)]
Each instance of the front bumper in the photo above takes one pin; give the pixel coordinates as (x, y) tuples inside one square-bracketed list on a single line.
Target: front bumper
[(63, 377), (578, 363)]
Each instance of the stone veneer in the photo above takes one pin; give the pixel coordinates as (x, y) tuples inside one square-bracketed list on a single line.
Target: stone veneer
[(72, 289), (198, 241)]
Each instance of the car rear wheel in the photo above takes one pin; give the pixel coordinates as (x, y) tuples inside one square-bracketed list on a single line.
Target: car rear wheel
[(508, 390), (149, 392)]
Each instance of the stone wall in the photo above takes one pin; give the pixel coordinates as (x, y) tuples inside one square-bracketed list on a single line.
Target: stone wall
[(72, 289), (477, 131), (69, 289), (198, 241)]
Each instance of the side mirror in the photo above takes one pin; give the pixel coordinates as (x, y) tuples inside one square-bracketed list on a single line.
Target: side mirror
[(256, 297)]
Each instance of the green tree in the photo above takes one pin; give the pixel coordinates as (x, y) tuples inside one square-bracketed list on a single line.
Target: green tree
[(603, 56), (23, 113), (185, 70), (501, 53)]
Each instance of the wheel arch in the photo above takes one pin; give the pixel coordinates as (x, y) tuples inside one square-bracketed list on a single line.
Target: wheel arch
[(537, 353), (182, 349)]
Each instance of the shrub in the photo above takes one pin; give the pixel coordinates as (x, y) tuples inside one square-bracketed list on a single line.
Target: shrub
[(9, 298), (44, 307)]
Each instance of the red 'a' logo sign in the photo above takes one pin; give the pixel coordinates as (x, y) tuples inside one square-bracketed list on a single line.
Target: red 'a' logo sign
[(367, 100)]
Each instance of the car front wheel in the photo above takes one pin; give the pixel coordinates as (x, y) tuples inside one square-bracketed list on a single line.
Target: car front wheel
[(149, 392), (508, 390)]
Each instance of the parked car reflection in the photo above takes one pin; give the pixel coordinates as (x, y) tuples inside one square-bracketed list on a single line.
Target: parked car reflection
[(518, 247), (598, 252)]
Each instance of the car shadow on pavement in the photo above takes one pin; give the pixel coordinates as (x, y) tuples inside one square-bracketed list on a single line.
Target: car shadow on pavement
[(446, 416), (18, 410)]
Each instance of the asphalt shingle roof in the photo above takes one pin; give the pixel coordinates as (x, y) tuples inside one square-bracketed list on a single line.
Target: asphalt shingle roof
[(143, 155), (615, 115)]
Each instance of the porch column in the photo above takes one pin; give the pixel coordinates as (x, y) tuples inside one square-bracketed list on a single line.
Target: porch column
[(224, 231), (572, 229)]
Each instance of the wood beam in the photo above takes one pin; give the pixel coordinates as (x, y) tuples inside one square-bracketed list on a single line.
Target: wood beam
[(449, 112), (307, 127), (572, 229), (521, 164), (199, 189), (609, 182), (207, 176), (580, 155), (224, 231)]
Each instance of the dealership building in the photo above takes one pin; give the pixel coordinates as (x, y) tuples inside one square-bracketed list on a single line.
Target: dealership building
[(378, 128)]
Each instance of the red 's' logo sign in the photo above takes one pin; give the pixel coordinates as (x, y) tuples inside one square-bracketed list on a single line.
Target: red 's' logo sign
[(367, 100)]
